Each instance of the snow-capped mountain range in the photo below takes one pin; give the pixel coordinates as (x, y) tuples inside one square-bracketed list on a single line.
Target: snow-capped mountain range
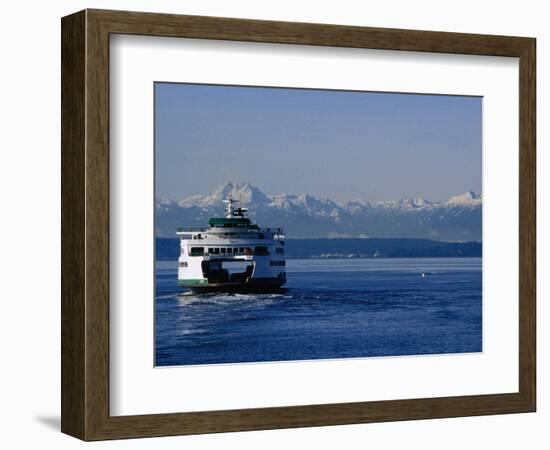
[(305, 216)]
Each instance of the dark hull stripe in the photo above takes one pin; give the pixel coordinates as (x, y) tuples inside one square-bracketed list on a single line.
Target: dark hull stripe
[(254, 285)]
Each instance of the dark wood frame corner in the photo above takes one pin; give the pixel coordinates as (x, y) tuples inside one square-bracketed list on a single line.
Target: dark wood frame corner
[(85, 224)]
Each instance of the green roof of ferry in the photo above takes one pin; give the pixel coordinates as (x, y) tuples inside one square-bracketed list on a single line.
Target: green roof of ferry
[(225, 222)]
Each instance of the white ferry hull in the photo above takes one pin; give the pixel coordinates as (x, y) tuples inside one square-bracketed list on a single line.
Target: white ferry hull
[(231, 274)]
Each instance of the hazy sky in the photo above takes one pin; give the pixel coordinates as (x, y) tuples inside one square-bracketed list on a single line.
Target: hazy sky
[(336, 144)]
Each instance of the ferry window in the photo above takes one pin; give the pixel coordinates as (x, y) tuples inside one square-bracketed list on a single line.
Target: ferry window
[(183, 263), (211, 251), (223, 251), (216, 251), (229, 250), (261, 251), (241, 250), (248, 251), (197, 251)]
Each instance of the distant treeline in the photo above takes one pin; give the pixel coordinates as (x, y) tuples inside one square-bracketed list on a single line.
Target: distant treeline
[(168, 248)]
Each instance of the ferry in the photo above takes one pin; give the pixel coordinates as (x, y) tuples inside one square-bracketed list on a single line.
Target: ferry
[(232, 254)]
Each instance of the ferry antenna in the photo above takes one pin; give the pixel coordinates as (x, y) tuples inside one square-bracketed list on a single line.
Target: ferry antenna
[(230, 201)]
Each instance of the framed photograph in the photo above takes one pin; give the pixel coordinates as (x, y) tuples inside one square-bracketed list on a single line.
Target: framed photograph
[(273, 225)]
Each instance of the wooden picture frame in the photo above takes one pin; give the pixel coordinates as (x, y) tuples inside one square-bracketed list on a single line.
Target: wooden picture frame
[(85, 224)]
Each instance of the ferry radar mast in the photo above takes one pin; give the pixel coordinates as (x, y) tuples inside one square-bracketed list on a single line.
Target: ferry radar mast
[(234, 212)]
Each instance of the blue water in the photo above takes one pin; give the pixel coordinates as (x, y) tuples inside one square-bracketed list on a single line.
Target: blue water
[(331, 309)]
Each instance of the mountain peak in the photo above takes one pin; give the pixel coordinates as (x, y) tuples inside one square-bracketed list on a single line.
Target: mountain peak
[(243, 192), (418, 202), (407, 203), (469, 198)]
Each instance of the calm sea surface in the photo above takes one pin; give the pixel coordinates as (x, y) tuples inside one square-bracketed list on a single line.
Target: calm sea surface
[(331, 308)]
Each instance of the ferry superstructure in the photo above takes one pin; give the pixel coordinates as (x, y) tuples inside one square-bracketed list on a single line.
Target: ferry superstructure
[(232, 254)]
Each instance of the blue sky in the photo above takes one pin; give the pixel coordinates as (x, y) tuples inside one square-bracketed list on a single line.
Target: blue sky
[(336, 144)]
